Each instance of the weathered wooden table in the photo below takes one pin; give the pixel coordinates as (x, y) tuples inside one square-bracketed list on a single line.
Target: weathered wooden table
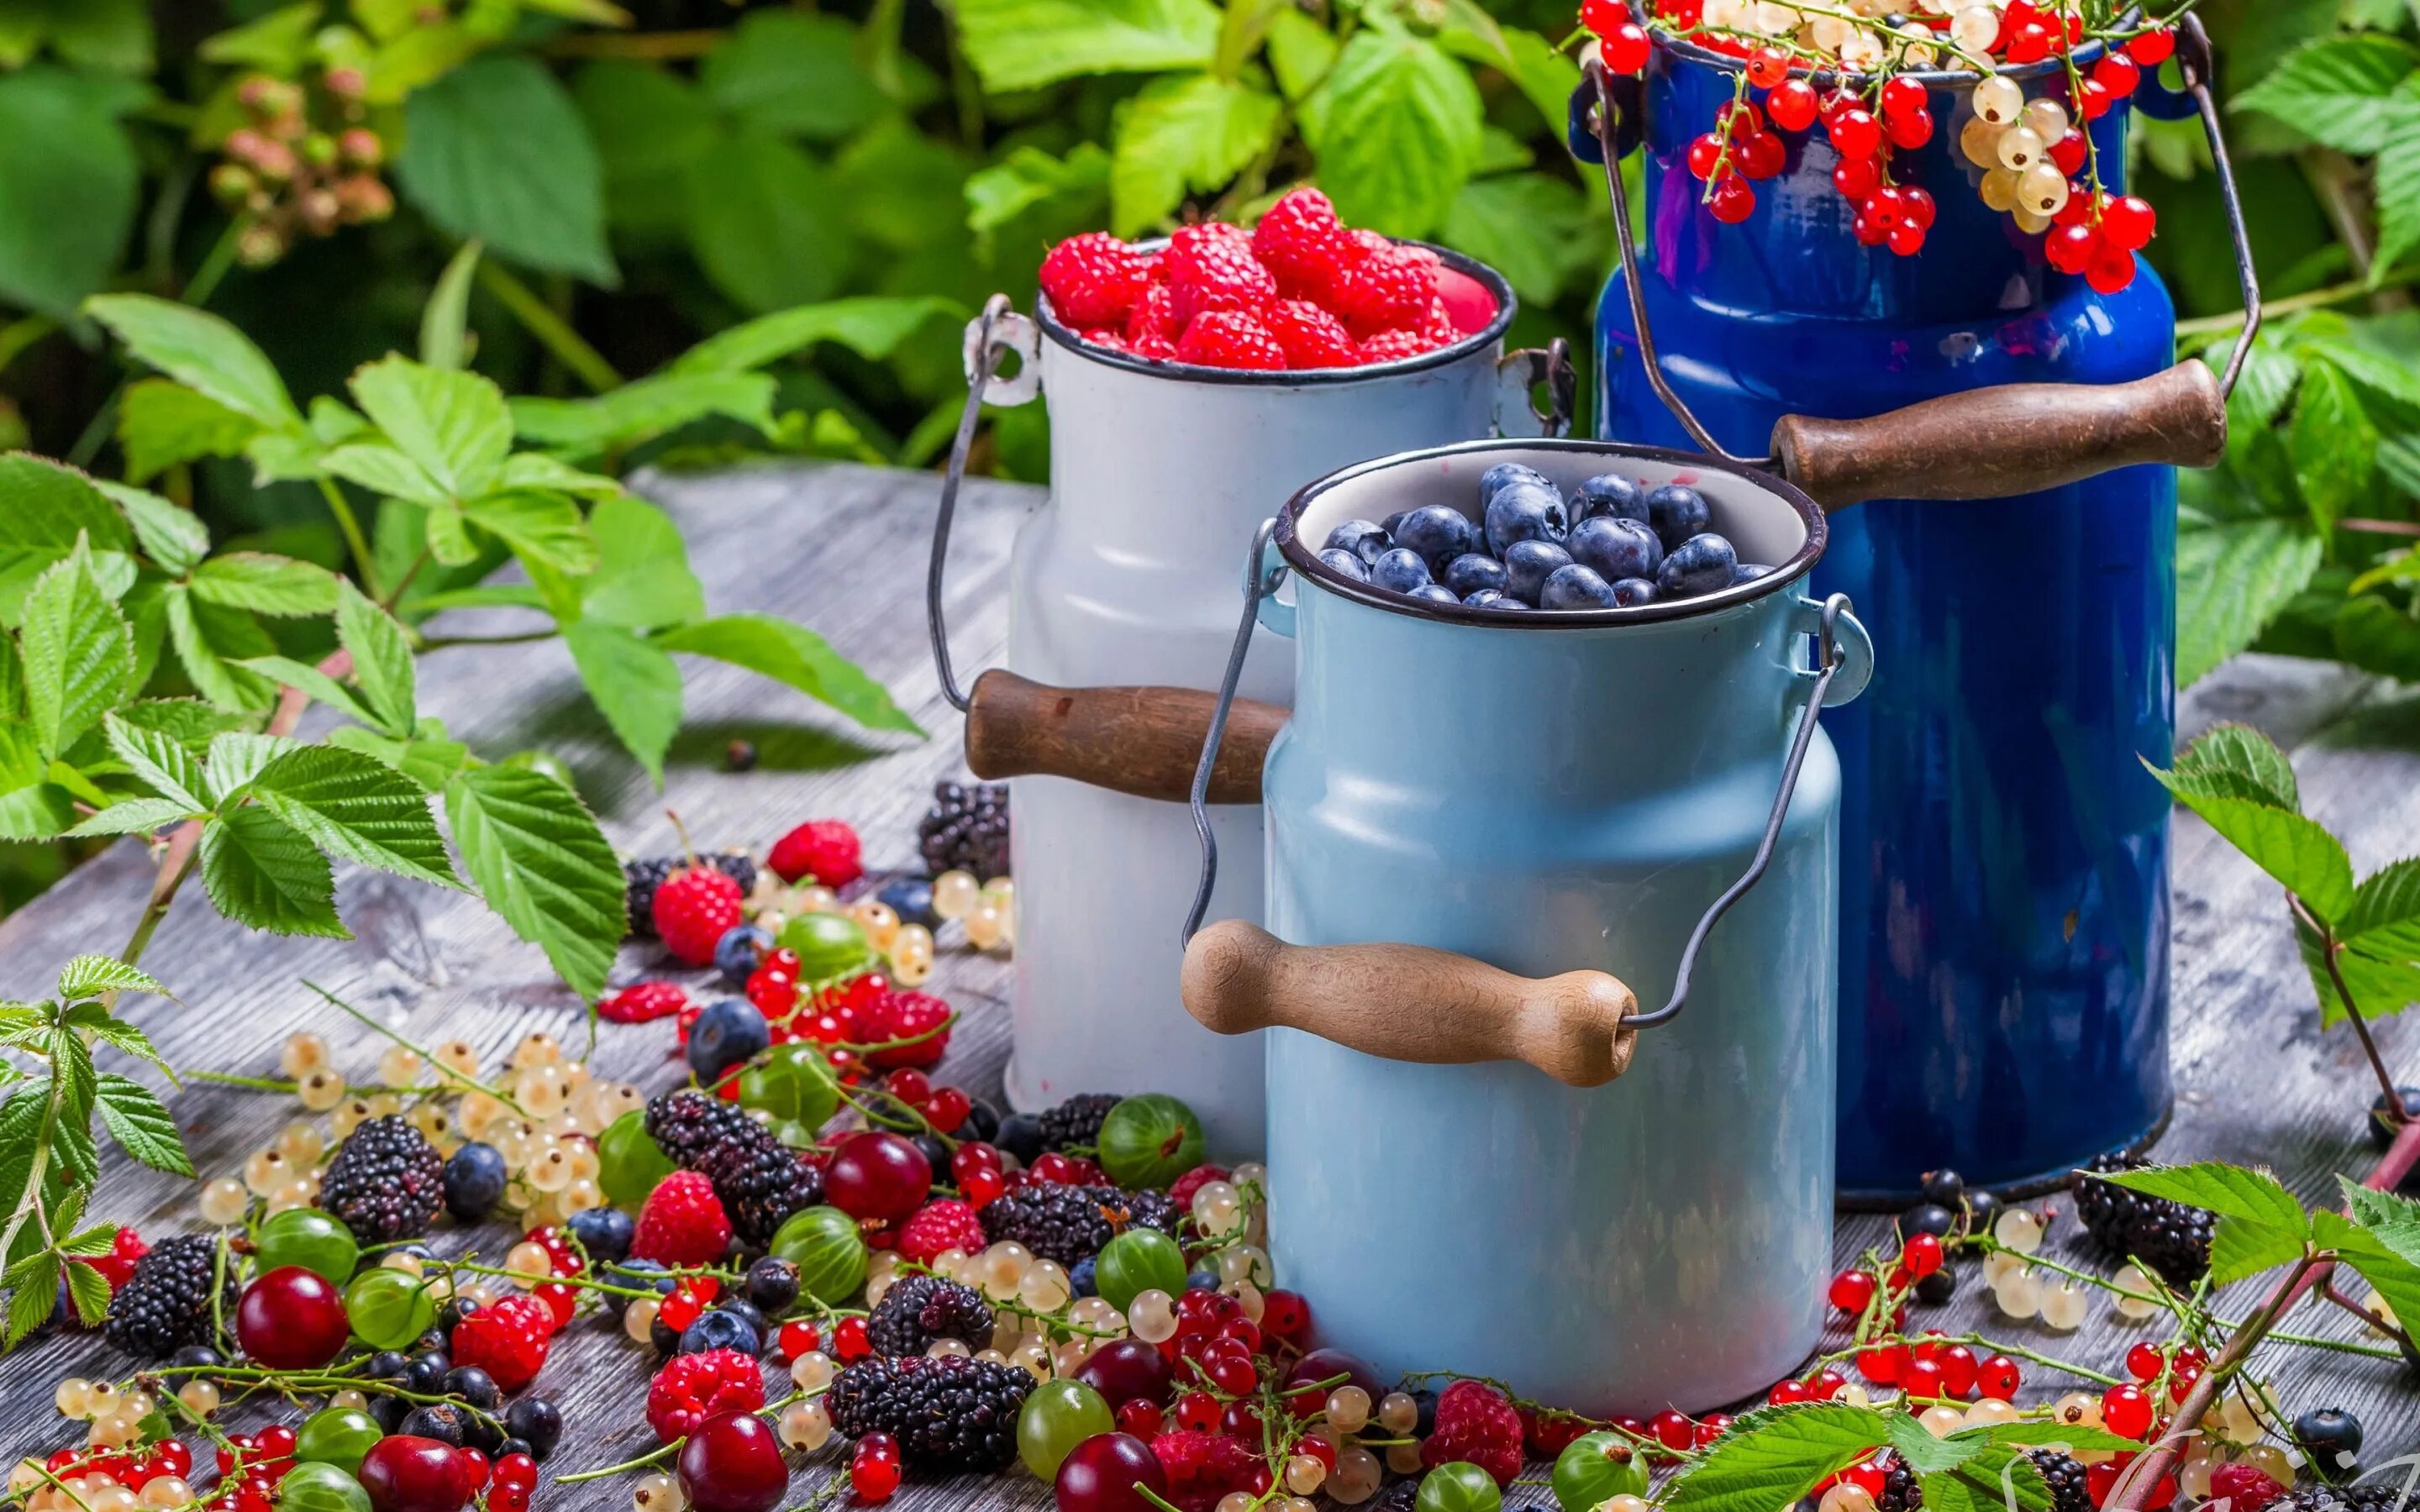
[(843, 548)]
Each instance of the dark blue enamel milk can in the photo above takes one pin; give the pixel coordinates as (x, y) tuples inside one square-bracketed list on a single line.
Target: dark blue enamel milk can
[(2004, 930)]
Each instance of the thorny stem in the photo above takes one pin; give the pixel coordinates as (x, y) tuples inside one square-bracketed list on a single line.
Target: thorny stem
[(349, 526), (2330, 1292), (2329, 949), (552, 332), (2317, 298)]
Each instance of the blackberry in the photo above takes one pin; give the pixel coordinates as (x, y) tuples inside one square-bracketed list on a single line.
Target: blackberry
[(759, 1179), (2068, 1491), (1399, 1497), (165, 1304), (966, 830), (2382, 1494), (947, 1414), (1068, 1224), (385, 1182), (1077, 1123), (641, 878), (2167, 1236), (919, 1309), (1900, 1492)]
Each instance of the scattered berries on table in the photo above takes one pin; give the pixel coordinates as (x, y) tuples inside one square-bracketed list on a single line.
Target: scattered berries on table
[(2171, 1238), (947, 1412), (759, 1180), (966, 830), (944, 1224), (165, 1303), (643, 1002), (1077, 1123), (509, 1339), (385, 1182), (1068, 1224)]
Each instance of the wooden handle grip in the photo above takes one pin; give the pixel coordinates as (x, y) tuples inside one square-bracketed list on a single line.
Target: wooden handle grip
[(1406, 1002), (1146, 741), (2015, 439)]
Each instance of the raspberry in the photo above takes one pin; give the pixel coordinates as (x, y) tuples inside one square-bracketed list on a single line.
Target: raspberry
[(509, 1339), (691, 1388), (917, 1017), (1202, 1467), (1475, 1422), (1212, 268), (1310, 336), (693, 908), (1389, 289), (1439, 326), (1301, 241), (1393, 346), (1107, 338), (644, 1001), (1180, 1192), (1230, 338), (824, 849), (1155, 319), (682, 1223), (1092, 280), (940, 1224), (2245, 1488)]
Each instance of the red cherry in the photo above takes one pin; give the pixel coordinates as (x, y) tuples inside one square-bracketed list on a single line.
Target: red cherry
[(2117, 73), (1855, 178), (1856, 133), (877, 1176), (873, 1468), (2126, 1412), (2152, 49), (1125, 1370), (1792, 104), (732, 1462), (1672, 1429), (1903, 96), (291, 1319), (1625, 50), (1921, 1255), (405, 1473), (2129, 222), (1109, 1473)]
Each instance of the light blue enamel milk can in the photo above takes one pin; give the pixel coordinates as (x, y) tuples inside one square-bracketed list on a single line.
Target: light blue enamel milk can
[(1535, 810)]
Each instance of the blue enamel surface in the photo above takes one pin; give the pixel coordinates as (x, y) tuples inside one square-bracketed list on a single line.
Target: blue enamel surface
[(2004, 969)]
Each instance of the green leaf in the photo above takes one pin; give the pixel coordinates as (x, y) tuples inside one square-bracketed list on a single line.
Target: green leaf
[(88, 1293), (384, 470), (2240, 1249), (67, 192), (1022, 45), (211, 644), (311, 681), (79, 654), (140, 1123), (445, 323), (2390, 1219), (496, 150), (163, 424), (277, 42), (2336, 91), (357, 808), (2384, 918), (89, 976), (2076, 1436), (2380, 1247), (635, 685), (873, 327), (190, 722), (1397, 131), (795, 73), (642, 410), (536, 853), (543, 470), (432, 764), (453, 424), (544, 527), (2233, 577), (1187, 133), (2231, 1190), (2307, 860), (1927, 1455), (643, 578), (2235, 761), (1029, 179), (201, 352), (266, 584), (2394, 185), (261, 873), (2387, 373), (763, 222), (130, 816), (793, 654), (383, 666), (1992, 1481), (33, 1294), (160, 762), (1769, 1457), (45, 506), (2375, 636), (238, 756), (1532, 228), (650, 125), (2335, 445), (1300, 52), (171, 536)]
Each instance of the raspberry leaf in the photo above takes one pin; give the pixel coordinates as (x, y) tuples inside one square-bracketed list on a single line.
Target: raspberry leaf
[(159, 763), (383, 666), (2231, 1191), (643, 578), (635, 685), (641, 411), (1769, 1457), (793, 654), (1191, 133), (212, 642), (1022, 45), (539, 526), (451, 425), (201, 352), (1397, 128), (78, 651), (89, 976), (539, 858), (1996, 1479), (266, 584), (261, 873), (139, 1121), (496, 149), (354, 807)]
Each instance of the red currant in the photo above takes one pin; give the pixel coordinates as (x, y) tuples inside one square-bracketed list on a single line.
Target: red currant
[(1732, 201), (2070, 152), (1825, 1384), (1856, 133), (2126, 1412), (2100, 1480), (1710, 1428), (1197, 1413), (1910, 131), (1959, 1371), (1786, 1392), (2145, 1362), (1903, 96), (772, 994), (910, 1087), (1284, 1315), (1767, 66), (1916, 206), (1761, 156), (2096, 100), (1792, 104), (1625, 49), (1140, 1418), (948, 1108), (516, 1470), (1921, 1254), (796, 1337), (1705, 155), (849, 1340), (1868, 1476), (1603, 18), (1241, 1421), (2028, 44), (874, 1467), (2129, 222), (2111, 272), (1672, 1429), (2117, 73), (2152, 49), (1855, 178), (1882, 1363), (1882, 208)]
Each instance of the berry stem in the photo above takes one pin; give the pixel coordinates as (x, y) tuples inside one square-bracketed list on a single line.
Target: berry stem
[(447, 1075), (657, 1456), (2329, 951)]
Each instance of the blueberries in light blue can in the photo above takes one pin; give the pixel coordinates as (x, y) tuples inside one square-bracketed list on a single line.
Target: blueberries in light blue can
[(1400, 571), (1439, 532), (1503, 476), (1529, 564), (1632, 592), (1700, 565), (1389, 524), (1748, 572), (1473, 571), (1525, 512), (1608, 494), (1678, 511), (1576, 587), (1346, 563), (1436, 594), (1615, 548), (1360, 537), (1488, 598)]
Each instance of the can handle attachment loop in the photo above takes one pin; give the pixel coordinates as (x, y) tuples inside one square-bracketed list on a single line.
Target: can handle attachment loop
[(1519, 372), (998, 331)]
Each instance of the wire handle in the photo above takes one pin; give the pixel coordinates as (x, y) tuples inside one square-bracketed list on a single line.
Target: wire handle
[(1259, 582), (999, 329)]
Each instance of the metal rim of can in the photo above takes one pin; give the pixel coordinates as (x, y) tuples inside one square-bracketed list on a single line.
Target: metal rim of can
[(1945, 79), (1506, 305), (1305, 561)]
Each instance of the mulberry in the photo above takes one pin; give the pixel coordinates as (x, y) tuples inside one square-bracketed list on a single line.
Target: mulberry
[(387, 1181)]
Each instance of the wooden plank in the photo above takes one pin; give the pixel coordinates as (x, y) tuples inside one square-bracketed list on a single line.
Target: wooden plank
[(843, 548)]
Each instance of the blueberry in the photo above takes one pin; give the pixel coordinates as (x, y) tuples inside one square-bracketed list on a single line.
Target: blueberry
[(1388, 526), (911, 899), (1400, 571), (1529, 564), (1576, 587), (1678, 511), (721, 1329), (773, 1284), (2331, 1436), (435, 1421), (1081, 1280), (2383, 1127), (1202, 1281), (1748, 572), (748, 1311), (1632, 592), (473, 1385), (1700, 564), (739, 951), (535, 1421), (1608, 494), (1615, 546), (983, 1120), (637, 1275), (474, 1181), (728, 1032), (1345, 563), (1488, 598), (1503, 476), (1506, 604), (603, 1232), (1523, 512), (1020, 1135), (1436, 594), (1424, 1403), (1927, 1218), (1358, 539), (1439, 532), (1472, 571)]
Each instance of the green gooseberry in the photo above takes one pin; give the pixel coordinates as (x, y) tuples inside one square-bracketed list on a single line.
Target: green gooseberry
[(337, 1436), (1136, 1261), (318, 1485), (316, 1241), (828, 946), (829, 1252), (628, 1161), (795, 1084), (1150, 1140), (389, 1308), (1595, 1468), (1458, 1486), (1057, 1416)]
